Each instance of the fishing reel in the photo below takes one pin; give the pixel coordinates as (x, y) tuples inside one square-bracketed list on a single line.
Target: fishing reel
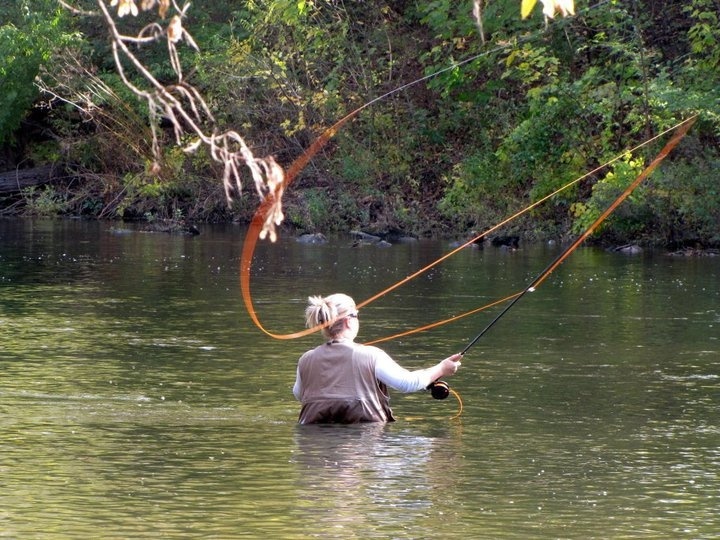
[(439, 389)]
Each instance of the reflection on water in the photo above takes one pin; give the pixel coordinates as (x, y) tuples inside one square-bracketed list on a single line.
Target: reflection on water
[(137, 399), (371, 479)]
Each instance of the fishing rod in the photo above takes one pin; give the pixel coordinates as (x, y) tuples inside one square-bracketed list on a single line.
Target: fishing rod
[(440, 389), (679, 134)]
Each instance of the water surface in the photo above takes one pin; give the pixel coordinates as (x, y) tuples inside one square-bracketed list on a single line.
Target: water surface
[(138, 399)]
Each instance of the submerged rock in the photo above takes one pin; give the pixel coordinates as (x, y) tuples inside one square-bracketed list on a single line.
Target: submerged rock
[(171, 226), (510, 242), (365, 237), (696, 252), (628, 249), (314, 238), (120, 230)]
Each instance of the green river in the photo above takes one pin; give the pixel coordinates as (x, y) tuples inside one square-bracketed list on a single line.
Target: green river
[(139, 400)]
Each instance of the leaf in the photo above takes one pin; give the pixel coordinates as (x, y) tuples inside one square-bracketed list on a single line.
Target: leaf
[(163, 6), (550, 7), (125, 7), (526, 7), (565, 7), (175, 29)]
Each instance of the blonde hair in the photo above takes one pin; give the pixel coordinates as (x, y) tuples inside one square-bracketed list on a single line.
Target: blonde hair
[(330, 309)]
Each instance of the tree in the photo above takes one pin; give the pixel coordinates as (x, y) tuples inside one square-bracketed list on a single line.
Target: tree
[(480, 125), (28, 38), (184, 107), (181, 104)]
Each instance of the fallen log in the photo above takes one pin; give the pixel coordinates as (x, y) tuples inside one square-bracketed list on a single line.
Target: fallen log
[(19, 179)]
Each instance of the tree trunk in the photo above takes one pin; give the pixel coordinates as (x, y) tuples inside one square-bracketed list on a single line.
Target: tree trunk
[(17, 180)]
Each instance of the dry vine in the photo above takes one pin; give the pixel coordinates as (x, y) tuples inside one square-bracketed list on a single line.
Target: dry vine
[(182, 105)]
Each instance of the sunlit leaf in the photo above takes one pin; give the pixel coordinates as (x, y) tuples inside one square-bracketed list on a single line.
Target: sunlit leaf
[(175, 29), (125, 7), (550, 7), (526, 7), (163, 7), (565, 7)]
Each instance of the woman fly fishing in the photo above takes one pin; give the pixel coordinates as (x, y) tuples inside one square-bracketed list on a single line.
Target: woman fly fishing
[(345, 382)]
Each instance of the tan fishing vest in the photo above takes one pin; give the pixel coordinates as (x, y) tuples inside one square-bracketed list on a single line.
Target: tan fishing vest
[(339, 385)]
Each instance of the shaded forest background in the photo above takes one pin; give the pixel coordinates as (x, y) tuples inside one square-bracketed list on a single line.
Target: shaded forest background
[(497, 122)]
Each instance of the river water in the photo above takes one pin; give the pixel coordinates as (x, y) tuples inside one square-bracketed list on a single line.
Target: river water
[(139, 400)]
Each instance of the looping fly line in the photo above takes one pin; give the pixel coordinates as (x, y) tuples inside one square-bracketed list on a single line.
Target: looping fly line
[(256, 225)]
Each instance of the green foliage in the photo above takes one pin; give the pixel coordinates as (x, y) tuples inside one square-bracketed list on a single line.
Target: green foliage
[(29, 34), (570, 120), (46, 152), (357, 166), (44, 202), (318, 208), (536, 107), (19, 65), (604, 192), (479, 193), (685, 202), (704, 36), (531, 66)]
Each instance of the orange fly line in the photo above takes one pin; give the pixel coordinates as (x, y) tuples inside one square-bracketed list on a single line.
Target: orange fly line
[(256, 225)]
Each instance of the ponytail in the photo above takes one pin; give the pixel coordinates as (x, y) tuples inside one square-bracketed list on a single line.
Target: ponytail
[(331, 309)]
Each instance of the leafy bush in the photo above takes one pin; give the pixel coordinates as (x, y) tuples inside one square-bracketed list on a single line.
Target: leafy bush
[(604, 193), (685, 201), (28, 36), (44, 202)]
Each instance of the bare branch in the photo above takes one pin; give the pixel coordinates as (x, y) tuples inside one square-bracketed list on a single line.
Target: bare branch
[(184, 107), (477, 14)]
